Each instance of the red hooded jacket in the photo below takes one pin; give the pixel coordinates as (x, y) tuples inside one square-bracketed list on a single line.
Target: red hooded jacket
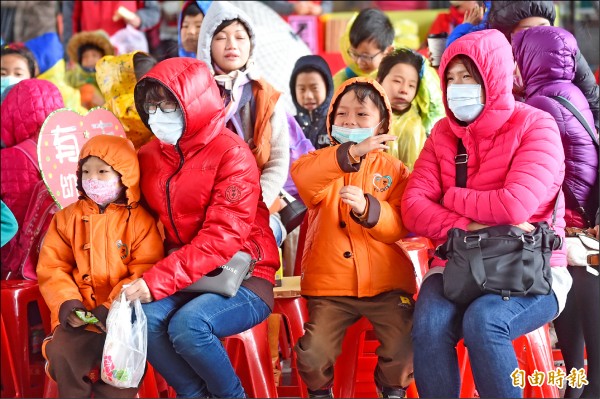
[(205, 189)]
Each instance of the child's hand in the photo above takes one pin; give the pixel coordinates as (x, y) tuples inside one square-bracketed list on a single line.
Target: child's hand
[(474, 15), (129, 17), (373, 143), (355, 198), (74, 321), (138, 290)]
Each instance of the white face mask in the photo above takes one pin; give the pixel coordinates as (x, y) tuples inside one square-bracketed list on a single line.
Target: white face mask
[(167, 127), (464, 100), (344, 135)]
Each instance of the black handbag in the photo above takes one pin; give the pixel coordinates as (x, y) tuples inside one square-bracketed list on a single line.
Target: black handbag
[(226, 279), (293, 213), (503, 259)]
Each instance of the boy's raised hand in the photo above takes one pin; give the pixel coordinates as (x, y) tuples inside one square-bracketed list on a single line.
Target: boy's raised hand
[(355, 198), (373, 143)]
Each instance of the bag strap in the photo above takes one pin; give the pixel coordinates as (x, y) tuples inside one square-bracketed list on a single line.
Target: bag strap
[(29, 148), (460, 160), (568, 105)]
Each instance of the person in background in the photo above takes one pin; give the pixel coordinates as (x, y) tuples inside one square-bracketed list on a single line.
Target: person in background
[(515, 169), (400, 74), (9, 224), (475, 19), (253, 108), (31, 19), (546, 56), (446, 22), (24, 110), (109, 16), (17, 63), (117, 77), (82, 269), (311, 86), (351, 269), (86, 49), (368, 38), (180, 102), (285, 8), (188, 26), (510, 17), (48, 52)]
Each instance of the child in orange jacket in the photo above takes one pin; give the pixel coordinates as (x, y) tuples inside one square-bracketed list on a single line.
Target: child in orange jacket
[(351, 266), (93, 247)]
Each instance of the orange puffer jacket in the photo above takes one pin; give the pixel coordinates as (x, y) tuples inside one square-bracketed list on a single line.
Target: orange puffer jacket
[(88, 254), (342, 255)]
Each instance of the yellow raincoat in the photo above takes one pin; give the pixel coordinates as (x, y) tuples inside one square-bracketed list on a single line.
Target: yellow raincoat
[(411, 136), (71, 96), (116, 78)]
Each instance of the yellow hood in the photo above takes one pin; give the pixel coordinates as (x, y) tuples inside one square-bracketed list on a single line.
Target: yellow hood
[(116, 79)]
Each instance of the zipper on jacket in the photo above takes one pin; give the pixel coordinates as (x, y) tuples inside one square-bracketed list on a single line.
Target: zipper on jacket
[(169, 195)]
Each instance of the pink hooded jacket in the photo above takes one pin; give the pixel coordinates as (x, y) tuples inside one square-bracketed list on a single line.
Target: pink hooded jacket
[(516, 159)]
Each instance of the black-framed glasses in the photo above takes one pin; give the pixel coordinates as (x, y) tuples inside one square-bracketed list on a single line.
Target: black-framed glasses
[(365, 58), (165, 106)]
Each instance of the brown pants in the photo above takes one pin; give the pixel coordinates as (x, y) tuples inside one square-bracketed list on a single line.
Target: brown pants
[(329, 317), (71, 355)]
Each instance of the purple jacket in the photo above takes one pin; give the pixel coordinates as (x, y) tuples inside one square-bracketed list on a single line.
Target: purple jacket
[(546, 58)]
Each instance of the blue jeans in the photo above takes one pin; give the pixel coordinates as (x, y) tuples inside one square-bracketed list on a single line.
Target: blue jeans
[(488, 325), (183, 340)]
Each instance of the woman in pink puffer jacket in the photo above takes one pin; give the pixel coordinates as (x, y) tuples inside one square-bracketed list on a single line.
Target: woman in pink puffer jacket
[(515, 169)]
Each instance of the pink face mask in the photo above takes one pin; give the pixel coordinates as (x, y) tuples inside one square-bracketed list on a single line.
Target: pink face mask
[(102, 192)]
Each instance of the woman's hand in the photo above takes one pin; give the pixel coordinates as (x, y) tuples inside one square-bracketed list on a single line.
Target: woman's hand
[(138, 290), (355, 198), (373, 143), (526, 226)]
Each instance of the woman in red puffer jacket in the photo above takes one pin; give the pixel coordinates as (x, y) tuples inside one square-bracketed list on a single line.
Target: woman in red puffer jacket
[(202, 182)]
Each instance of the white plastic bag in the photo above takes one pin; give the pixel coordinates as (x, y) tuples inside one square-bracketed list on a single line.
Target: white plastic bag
[(124, 354)]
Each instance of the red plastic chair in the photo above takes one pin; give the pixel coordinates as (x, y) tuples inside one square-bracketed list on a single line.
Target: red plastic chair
[(353, 370), (16, 296), (251, 358), (300, 247), (295, 314), (10, 381)]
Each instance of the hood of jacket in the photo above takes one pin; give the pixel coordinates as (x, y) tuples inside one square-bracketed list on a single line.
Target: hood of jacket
[(317, 62), (340, 90), (203, 6), (25, 109), (544, 54), (116, 79), (189, 80), (119, 153), (492, 54), (218, 12), (504, 15)]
